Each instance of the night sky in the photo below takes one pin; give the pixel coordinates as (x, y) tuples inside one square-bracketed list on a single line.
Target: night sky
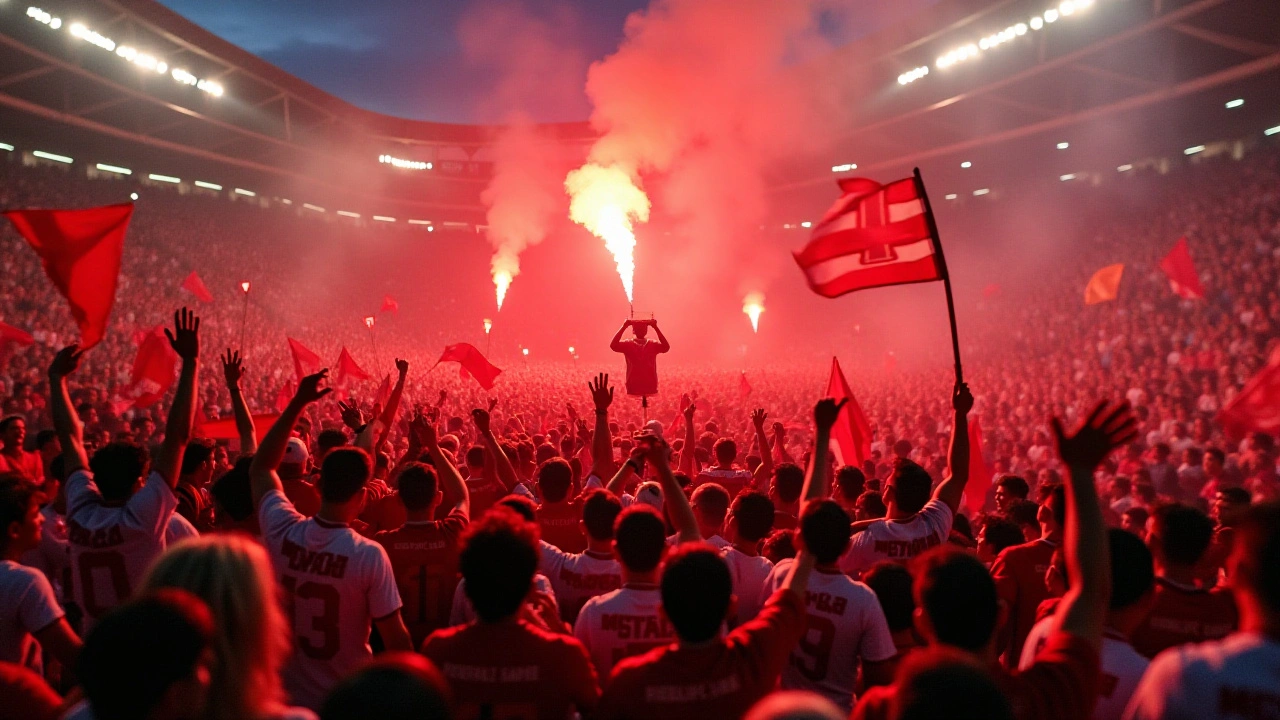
[(445, 60)]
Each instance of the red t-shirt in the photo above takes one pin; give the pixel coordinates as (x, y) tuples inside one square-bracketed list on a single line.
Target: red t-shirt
[(722, 679), (513, 670), (1181, 614), (784, 521), (24, 463), (1019, 576), (559, 525), (1062, 684), (642, 366), (424, 558)]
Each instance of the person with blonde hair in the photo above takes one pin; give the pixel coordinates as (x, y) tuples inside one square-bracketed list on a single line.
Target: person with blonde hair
[(233, 575)]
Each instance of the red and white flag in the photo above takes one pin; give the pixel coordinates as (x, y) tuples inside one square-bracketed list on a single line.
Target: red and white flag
[(874, 235)]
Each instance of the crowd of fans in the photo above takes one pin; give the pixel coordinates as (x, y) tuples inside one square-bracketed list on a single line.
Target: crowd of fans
[(550, 548)]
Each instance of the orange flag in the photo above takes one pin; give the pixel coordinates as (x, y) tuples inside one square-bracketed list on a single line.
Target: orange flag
[(1104, 285)]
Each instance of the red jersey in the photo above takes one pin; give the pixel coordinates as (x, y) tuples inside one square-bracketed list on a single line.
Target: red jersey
[(642, 366), (559, 523), (304, 496), (1183, 614), (385, 513), (1019, 576), (1062, 684), (721, 679), (424, 558), (513, 670)]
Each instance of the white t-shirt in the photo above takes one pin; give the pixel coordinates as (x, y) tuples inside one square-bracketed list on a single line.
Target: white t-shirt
[(112, 547), (335, 582), (179, 528), (462, 611), (843, 622), (53, 555), (578, 577), (898, 540), (1228, 679), (1122, 668), (27, 606), (748, 573), (622, 624), (714, 541)]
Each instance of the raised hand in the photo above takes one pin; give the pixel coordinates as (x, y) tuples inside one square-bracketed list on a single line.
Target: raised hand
[(962, 399), (826, 412), (232, 367), (758, 416), (480, 417), (1107, 427), (309, 389), (402, 366), (425, 430), (185, 339), (351, 415), (573, 412), (601, 392), (689, 410), (655, 450), (67, 361)]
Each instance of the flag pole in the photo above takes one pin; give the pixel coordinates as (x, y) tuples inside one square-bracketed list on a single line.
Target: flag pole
[(942, 264)]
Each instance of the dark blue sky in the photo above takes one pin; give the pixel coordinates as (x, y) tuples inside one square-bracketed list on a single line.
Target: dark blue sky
[(444, 60)]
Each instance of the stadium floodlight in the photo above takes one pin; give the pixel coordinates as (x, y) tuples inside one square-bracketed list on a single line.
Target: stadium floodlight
[(348, 213), (1271, 131), (1067, 7), (981, 191), (1125, 168), (1050, 15), (286, 201), (966, 164), (246, 193), (1068, 176), (806, 224), (6, 147), (412, 221), (1064, 145), (384, 218), (951, 196), (404, 164), (1193, 150), (208, 185), (431, 228), (164, 178), (114, 169), (1037, 22), (309, 206), (844, 168), (133, 196), (52, 156), (1235, 103)]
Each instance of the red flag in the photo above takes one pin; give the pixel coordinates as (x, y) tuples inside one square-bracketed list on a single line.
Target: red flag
[(11, 337), (975, 492), (80, 251), (153, 369), (851, 435), (1182, 272), (874, 235), (225, 429), (285, 395), (347, 368), (475, 363), (194, 285), (1257, 406), (744, 387), (389, 304), (305, 362), (383, 394)]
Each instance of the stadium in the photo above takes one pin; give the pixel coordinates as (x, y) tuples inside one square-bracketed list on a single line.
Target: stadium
[(1045, 207)]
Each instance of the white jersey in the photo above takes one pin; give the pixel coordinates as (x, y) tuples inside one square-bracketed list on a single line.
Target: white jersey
[(714, 541), (112, 547), (578, 577), (179, 528), (335, 583), (53, 556), (622, 624), (749, 573), (1228, 679), (898, 540), (843, 622), (27, 606), (462, 612), (1122, 668)]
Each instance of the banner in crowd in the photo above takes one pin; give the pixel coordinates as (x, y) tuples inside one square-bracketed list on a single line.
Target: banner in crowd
[(153, 369), (305, 362), (194, 285), (225, 429), (1104, 286), (473, 361), (1183, 278), (80, 251), (851, 435)]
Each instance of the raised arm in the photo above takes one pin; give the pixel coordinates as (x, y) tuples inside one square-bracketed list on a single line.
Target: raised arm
[(233, 370), (663, 345), (262, 472), (601, 442), (185, 341), (616, 343), (393, 403), (633, 466), (780, 443), (950, 490), (678, 508), (763, 473), (825, 414), (1083, 609), (65, 422), (451, 482), (688, 453), (501, 463)]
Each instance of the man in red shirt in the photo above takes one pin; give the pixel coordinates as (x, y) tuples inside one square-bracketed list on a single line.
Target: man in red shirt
[(958, 605), (424, 552), (703, 675), (1183, 611), (502, 666), (559, 516), (13, 458), (641, 354), (1019, 576)]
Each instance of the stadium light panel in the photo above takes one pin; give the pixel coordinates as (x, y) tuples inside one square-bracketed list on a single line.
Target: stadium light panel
[(844, 168), (404, 164), (806, 224), (951, 196), (383, 218), (208, 185), (1193, 150), (348, 213), (309, 206), (1068, 176), (133, 196), (1125, 168), (114, 169), (6, 147), (1064, 145), (981, 191), (966, 164), (1271, 131), (1235, 103), (164, 178), (286, 201), (246, 193), (52, 156)]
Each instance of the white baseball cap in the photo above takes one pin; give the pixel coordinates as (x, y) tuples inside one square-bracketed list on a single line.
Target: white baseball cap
[(295, 453)]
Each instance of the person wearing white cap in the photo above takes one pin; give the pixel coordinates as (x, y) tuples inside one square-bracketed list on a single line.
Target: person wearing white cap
[(293, 472)]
